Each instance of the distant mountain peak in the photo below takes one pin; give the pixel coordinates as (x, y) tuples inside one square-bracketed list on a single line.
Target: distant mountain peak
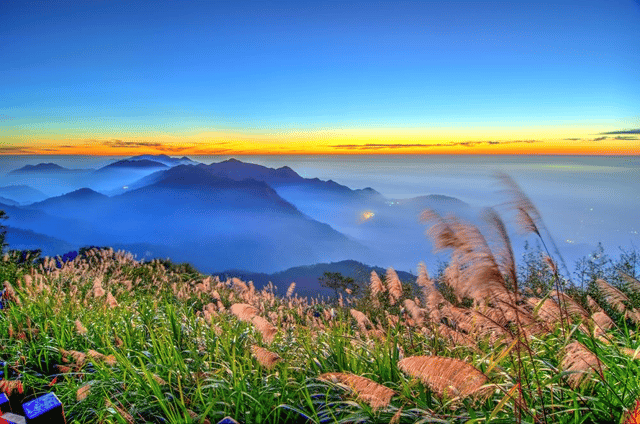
[(41, 167), (134, 164), (164, 159)]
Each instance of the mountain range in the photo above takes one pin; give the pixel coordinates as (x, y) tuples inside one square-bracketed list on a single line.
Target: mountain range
[(225, 215)]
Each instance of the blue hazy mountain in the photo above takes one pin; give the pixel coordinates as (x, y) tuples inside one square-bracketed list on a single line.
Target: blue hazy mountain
[(306, 277), (22, 193), (75, 204), (44, 168), (19, 239), (164, 159), (127, 164), (73, 231), (194, 216), (234, 214), (391, 229), (9, 202)]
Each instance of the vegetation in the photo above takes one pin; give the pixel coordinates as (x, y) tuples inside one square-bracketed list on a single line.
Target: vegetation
[(484, 340)]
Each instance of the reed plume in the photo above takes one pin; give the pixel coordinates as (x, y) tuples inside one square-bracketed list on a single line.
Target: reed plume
[(393, 285), (267, 330), (580, 362), (80, 329), (368, 391), (83, 392), (290, 290), (361, 319), (447, 377), (264, 357), (613, 296), (243, 311), (376, 285)]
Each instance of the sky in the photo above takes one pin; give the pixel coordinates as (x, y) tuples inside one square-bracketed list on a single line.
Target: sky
[(463, 77)]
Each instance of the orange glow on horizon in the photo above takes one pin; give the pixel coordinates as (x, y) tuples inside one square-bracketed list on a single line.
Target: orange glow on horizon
[(502, 141)]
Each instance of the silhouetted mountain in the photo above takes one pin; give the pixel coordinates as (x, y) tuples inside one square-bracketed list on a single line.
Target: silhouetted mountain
[(132, 164), (22, 193), (43, 168), (9, 202), (306, 277), (73, 231), (164, 159), (212, 222), (73, 205), (19, 239), (285, 177)]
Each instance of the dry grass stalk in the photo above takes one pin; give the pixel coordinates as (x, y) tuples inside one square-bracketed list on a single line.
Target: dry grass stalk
[(376, 395), (393, 285), (580, 362), (243, 311), (124, 414), (264, 357), (424, 282), (361, 319), (603, 322), (593, 305), (447, 377), (111, 301), (98, 291), (83, 392), (633, 353), (528, 215), (267, 330), (572, 307), (376, 285), (78, 357), (10, 386), (477, 274), (290, 290), (635, 283), (613, 296), (81, 329), (417, 314)]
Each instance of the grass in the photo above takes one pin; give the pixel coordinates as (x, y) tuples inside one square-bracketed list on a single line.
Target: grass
[(123, 341)]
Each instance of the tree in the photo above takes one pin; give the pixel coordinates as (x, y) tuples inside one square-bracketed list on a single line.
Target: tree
[(3, 231), (338, 282)]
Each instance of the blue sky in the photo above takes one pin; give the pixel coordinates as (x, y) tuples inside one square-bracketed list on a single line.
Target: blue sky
[(128, 69)]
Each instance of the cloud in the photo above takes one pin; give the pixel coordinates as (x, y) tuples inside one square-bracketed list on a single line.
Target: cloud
[(625, 137), (6, 118), (17, 150), (600, 138), (118, 144), (632, 131), (378, 146), (572, 139)]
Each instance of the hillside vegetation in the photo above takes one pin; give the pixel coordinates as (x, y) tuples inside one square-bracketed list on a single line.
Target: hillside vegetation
[(484, 340)]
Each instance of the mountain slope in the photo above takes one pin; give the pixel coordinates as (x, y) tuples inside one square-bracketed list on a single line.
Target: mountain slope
[(207, 220), (306, 277)]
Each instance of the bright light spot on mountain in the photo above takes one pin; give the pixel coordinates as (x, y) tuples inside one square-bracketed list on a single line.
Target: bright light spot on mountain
[(365, 216)]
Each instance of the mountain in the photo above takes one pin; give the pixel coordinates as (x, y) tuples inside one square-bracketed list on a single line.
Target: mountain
[(43, 168), (75, 204), (139, 164), (73, 231), (164, 159), (22, 193), (191, 215), (19, 239), (306, 277), (9, 202), (283, 177)]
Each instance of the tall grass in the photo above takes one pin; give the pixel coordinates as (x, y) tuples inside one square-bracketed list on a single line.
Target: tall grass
[(120, 340)]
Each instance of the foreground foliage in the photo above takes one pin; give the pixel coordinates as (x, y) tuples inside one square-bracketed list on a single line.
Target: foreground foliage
[(124, 341)]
